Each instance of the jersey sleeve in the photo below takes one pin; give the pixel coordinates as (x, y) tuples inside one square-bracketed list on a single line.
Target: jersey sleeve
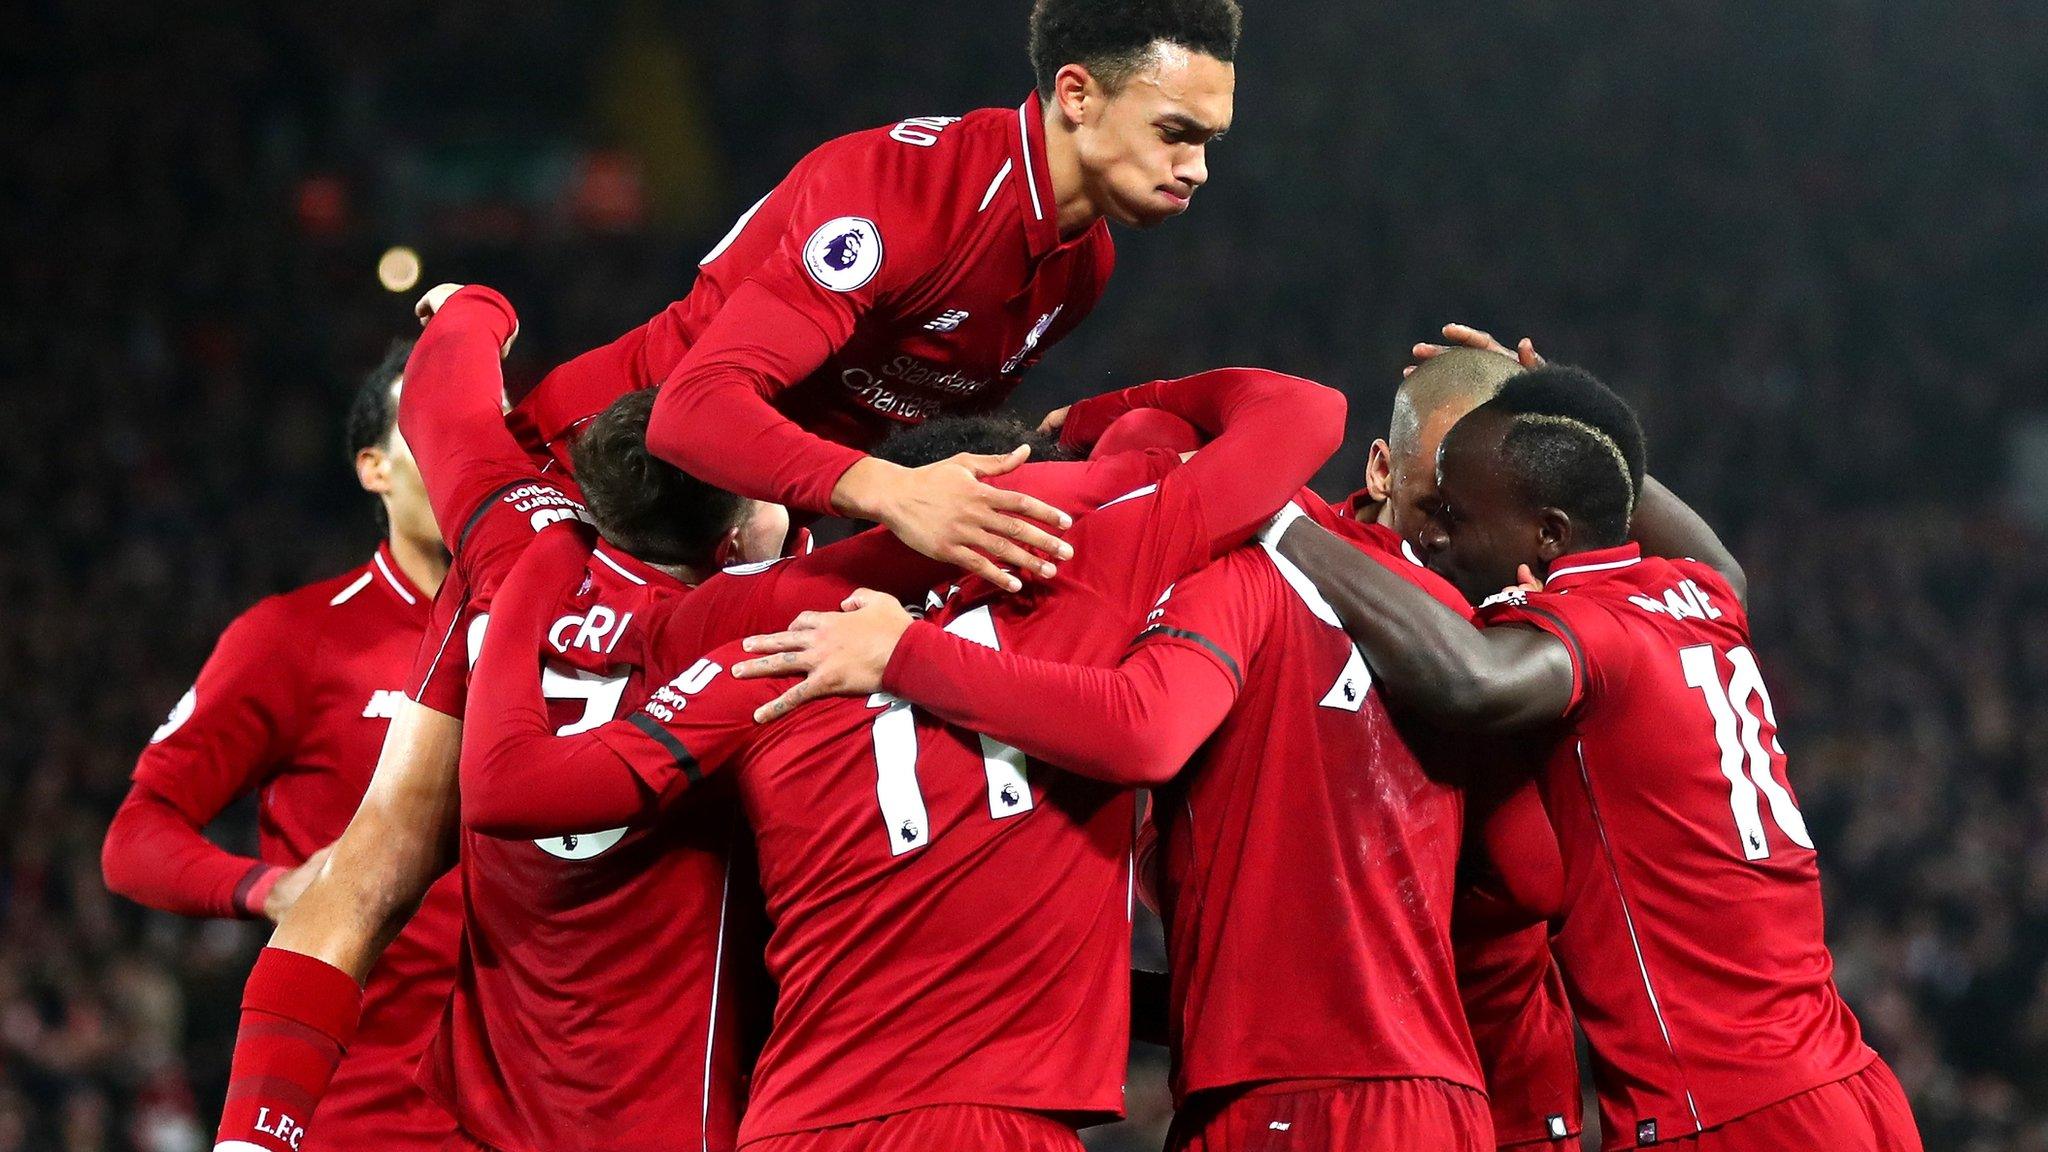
[(697, 723), (857, 233), (1134, 724), (1269, 433), (450, 410), (1599, 647), (1218, 613), (239, 720), (155, 855)]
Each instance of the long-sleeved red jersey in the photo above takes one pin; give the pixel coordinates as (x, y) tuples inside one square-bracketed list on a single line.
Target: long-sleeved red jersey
[(293, 705), (895, 274)]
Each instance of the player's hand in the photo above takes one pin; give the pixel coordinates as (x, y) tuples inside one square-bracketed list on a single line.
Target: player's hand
[(1466, 336), (1054, 421), (840, 653), (944, 511), (438, 295), (292, 885), (1526, 580)]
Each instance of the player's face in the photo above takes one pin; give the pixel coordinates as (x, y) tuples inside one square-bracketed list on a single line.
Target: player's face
[(1481, 527), (393, 474), (1144, 150), (1411, 492)]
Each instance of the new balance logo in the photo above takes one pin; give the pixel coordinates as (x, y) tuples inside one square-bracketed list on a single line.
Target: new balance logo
[(383, 704), (945, 321)]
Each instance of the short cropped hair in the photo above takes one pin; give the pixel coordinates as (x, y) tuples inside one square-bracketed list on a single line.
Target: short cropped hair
[(990, 434), (1574, 445), (374, 410), (1113, 38), (649, 507)]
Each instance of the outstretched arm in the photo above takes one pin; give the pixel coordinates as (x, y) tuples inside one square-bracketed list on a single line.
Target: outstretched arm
[(1134, 724), (1494, 679)]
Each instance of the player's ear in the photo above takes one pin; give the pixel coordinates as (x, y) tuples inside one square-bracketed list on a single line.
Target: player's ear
[(1073, 90), (373, 470), (1554, 529), (1379, 471), (728, 551)]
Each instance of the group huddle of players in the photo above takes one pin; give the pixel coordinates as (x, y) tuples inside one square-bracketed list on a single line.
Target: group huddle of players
[(602, 810)]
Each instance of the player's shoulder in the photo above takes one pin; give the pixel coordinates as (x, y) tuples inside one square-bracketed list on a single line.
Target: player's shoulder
[(1659, 594), (928, 166)]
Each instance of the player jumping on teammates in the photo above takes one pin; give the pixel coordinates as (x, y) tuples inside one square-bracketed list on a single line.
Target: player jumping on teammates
[(919, 269)]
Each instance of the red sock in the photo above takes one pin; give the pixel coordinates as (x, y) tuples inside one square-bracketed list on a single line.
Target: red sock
[(298, 1016)]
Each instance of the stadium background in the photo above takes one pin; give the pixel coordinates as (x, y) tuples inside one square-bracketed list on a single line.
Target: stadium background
[(1807, 238)]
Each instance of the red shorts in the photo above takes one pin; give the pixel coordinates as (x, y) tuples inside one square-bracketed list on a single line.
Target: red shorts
[(1866, 1112), (939, 1128), (1410, 1115)]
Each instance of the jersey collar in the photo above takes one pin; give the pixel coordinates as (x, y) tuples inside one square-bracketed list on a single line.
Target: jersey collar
[(393, 578), (632, 569), (1034, 192), (1585, 567)]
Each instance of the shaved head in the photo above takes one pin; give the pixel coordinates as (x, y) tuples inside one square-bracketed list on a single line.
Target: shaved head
[(1441, 390)]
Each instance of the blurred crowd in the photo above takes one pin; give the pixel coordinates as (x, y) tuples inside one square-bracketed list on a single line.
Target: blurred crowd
[(1805, 238)]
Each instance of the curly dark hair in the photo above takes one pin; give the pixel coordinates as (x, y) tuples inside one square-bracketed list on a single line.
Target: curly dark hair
[(374, 410), (1111, 37)]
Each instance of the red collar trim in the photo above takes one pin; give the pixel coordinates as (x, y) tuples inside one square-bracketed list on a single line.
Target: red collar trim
[(1582, 566)]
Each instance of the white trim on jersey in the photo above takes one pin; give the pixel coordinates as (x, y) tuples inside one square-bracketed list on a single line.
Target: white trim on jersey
[(1628, 918), (614, 566), (711, 1032), (1030, 179), (408, 597), (349, 593), (1133, 494), (238, 1146), (1611, 564), (1002, 174)]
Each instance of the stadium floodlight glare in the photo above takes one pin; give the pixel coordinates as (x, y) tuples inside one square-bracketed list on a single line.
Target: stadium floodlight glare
[(398, 270)]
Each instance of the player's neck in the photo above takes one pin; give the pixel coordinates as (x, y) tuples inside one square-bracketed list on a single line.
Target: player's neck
[(426, 565), (1074, 209), (690, 574)]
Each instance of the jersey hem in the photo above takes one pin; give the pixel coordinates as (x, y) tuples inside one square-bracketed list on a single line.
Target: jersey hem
[(1077, 1115), (1630, 1142), (1243, 1083)]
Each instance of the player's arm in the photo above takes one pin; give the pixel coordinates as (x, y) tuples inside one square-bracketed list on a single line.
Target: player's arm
[(877, 559), (239, 720), (451, 408), (1427, 656), (1268, 434), (1666, 526), (1134, 724), (520, 780), (715, 417)]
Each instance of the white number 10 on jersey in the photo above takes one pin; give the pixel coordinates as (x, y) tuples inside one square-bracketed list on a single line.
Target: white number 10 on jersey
[(1739, 732)]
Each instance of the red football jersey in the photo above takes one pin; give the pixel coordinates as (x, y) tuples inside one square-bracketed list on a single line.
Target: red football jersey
[(1692, 938), (893, 275), (631, 939), (600, 972), (950, 924), (1309, 857), (293, 705), (1511, 887)]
